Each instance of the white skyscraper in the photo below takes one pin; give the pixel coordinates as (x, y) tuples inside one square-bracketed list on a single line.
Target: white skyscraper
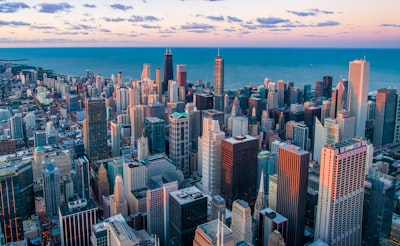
[(122, 98), (173, 91), (134, 96), (51, 187), (136, 118), (341, 193), (241, 221), (118, 203), (358, 93), (211, 156), (115, 138)]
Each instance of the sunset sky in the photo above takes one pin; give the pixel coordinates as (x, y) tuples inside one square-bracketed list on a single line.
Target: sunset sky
[(210, 23)]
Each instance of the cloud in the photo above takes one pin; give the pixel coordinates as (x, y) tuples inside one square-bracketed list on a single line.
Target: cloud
[(328, 23), (150, 26), (13, 23), (233, 19), (167, 31), (118, 19), (271, 21), (197, 26), (390, 25), (51, 8), (137, 18), (42, 27), (280, 30), (121, 6), (88, 5), (216, 18), (229, 30), (310, 12), (104, 30), (300, 13), (315, 36), (12, 7), (82, 27)]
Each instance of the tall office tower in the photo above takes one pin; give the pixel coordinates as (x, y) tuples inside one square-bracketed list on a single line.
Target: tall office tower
[(159, 83), (134, 96), (168, 69), (119, 205), (281, 93), (136, 117), (347, 125), (379, 195), (271, 221), (276, 239), (331, 132), (318, 89), (51, 187), (267, 164), (155, 132), (114, 167), (300, 135), (273, 99), (227, 104), (292, 190), (385, 116), (218, 207), (173, 91), (272, 191), (187, 210), (256, 103), (358, 93), (211, 156), (203, 101), (327, 86), (341, 193), (157, 210), (99, 83), (30, 119), (119, 78), (281, 124), (212, 233), (82, 184), (396, 137), (219, 75), (266, 122), (122, 98), (260, 202), (179, 144), (325, 110), (253, 124), (241, 222), (145, 72), (143, 148), (95, 129), (102, 185), (215, 115), (307, 93), (181, 75), (115, 138), (40, 138), (309, 118), (371, 107), (120, 233), (319, 139), (16, 127), (339, 99), (76, 219), (17, 198), (239, 169)]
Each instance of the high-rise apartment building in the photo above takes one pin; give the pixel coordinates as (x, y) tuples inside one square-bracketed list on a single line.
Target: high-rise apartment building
[(292, 190), (168, 69), (239, 169), (211, 156), (76, 219), (51, 187), (358, 93), (122, 98), (95, 129), (115, 138), (385, 115), (187, 210), (136, 117), (341, 193), (179, 144), (17, 198), (16, 126)]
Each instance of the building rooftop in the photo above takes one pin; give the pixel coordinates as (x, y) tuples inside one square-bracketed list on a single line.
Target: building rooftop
[(240, 139), (77, 206), (210, 229), (178, 115), (154, 120), (276, 217), (187, 195), (294, 149)]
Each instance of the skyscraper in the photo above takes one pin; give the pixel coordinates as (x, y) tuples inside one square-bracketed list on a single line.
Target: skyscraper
[(95, 129), (118, 203), (159, 83), (122, 98), (347, 125), (179, 144), (51, 187), (16, 127), (76, 219), (327, 86), (16, 198), (187, 210), (341, 193), (239, 169), (168, 69), (396, 137), (271, 221), (219, 82), (385, 116), (241, 221), (339, 99), (136, 117), (181, 75), (358, 93), (292, 190), (212, 233), (155, 131), (211, 156), (115, 138), (260, 202)]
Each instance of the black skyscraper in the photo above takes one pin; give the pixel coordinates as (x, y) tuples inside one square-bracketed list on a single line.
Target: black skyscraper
[(168, 69)]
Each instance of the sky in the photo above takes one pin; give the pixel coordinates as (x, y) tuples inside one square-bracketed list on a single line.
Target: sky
[(200, 23)]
